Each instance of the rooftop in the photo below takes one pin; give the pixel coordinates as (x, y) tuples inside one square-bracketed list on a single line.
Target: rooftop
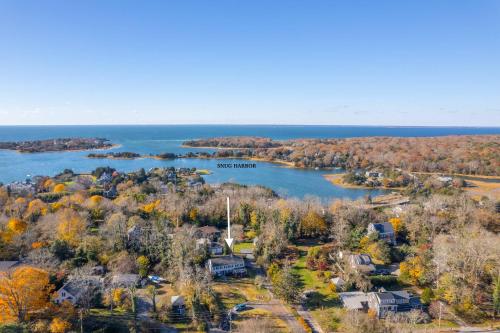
[(354, 300), (7, 265), (383, 227), (226, 260)]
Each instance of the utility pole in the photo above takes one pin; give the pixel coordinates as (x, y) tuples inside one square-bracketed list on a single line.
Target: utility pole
[(81, 320)]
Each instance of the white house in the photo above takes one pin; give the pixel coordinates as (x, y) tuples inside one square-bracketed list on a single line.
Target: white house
[(72, 291), (384, 302), (213, 247), (178, 304), (361, 263), (338, 282), (227, 265)]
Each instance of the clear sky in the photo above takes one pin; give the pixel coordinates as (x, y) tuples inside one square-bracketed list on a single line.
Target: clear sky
[(370, 62)]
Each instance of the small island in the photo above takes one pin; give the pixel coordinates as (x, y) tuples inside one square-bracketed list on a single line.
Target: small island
[(54, 145), (126, 155)]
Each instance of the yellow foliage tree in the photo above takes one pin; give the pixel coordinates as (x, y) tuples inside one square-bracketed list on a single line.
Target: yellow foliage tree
[(149, 208), (96, 199), (24, 291), (59, 325), (16, 226), (20, 201), (193, 214), (397, 224), (313, 224), (59, 188), (412, 269), (36, 245), (37, 207), (254, 222), (284, 209), (48, 183), (71, 226)]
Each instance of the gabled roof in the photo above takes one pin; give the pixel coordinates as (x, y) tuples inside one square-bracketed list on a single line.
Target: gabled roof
[(393, 295), (383, 228), (226, 260), (75, 288), (355, 300), (177, 300), (125, 279), (362, 259)]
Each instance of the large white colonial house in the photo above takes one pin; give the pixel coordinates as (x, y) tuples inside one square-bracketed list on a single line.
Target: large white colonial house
[(227, 265)]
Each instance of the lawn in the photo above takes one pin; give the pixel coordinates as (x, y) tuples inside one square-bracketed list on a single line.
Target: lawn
[(279, 326), (243, 246), (329, 318), (239, 290), (323, 305), (308, 278)]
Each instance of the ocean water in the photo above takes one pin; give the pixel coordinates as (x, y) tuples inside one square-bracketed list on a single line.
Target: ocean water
[(168, 138)]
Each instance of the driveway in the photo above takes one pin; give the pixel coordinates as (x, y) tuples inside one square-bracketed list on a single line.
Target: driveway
[(279, 310), (304, 313)]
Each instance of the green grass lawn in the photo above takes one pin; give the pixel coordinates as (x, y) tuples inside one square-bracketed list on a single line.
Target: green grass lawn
[(243, 246), (308, 278)]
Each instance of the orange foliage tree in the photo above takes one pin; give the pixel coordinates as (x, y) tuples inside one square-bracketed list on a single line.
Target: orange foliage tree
[(23, 291), (59, 188), (59, 325)]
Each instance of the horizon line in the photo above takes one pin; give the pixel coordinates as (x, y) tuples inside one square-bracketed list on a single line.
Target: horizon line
[(254, 124)]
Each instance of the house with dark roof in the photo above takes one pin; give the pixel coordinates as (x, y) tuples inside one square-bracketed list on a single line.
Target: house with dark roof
[(384, 230), (227, 265), (383, 302)]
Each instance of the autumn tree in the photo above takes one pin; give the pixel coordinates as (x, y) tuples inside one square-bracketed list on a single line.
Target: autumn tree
[(313, 224), (58, 325), (143, 265), (71, 226), (286, 284), (23, 292)]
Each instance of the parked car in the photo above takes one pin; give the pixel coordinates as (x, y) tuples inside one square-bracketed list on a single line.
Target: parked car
[(240, 307), (155, 279)]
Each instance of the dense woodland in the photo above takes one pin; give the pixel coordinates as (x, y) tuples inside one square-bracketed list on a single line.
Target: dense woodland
[(60, 144), (474, 155)]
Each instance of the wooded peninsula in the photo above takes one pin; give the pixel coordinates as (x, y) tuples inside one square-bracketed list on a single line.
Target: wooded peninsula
[(60, 144), (468, 154)]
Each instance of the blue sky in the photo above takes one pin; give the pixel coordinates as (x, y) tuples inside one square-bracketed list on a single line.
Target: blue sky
[(250, 62)]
